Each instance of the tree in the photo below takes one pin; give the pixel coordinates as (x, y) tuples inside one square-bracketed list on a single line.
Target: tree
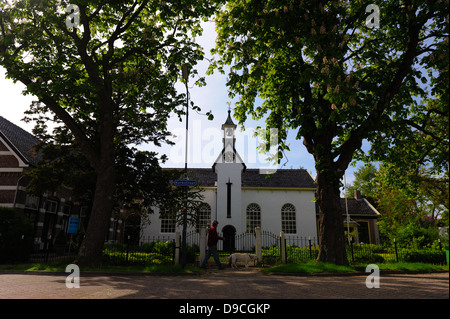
[(325, 70), (411, 206), (364, 182), (16, 233), (107, 72)]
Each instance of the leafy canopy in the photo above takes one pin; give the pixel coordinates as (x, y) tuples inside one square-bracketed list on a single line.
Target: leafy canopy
[(123, 59), (317, 68)]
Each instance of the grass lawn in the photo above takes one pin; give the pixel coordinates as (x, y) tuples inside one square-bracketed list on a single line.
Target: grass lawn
[(151, 269), (304, 268), (312, 268)]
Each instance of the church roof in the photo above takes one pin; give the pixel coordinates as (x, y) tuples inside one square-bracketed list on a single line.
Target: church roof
[(229, 121), (286, 178), (20, 141)]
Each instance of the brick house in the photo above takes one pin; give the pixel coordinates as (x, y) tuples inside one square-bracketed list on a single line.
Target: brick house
[(49, 213)]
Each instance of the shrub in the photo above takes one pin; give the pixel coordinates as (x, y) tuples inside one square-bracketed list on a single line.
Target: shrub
[(152, 253), (424, 256), (412, 236), (16, 236)]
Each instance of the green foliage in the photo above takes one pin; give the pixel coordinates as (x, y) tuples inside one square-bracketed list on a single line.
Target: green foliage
[(412, 205), (424, 256), (151, 253), (365, 256), (313, 268), (166, 248), (414, 237), (16, 236), (365, 182), (310, 267)]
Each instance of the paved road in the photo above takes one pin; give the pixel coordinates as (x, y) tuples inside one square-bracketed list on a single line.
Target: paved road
[(225, 284)]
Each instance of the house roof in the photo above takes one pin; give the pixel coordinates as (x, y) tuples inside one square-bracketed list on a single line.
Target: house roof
[(358, 207), (283, 178), (20, 141)]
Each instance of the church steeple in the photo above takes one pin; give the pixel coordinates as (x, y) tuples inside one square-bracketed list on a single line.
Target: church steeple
[(229, 139), (229, 121)]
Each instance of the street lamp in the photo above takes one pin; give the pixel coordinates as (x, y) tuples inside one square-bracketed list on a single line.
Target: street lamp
[(185, 74)]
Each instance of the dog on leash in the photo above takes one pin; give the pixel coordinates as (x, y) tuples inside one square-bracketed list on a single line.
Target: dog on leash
[(245, 258)]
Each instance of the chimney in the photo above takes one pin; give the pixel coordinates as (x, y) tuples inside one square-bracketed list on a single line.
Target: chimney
[(358, 195)]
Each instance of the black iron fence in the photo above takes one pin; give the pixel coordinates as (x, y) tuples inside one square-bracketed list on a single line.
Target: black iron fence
[(151, 251), (367, 253), (160, 250)]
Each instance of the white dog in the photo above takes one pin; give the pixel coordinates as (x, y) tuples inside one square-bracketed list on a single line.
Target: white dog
[(245, 258)]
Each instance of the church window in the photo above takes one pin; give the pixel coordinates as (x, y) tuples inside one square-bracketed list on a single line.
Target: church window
[(288, 219), (253, 217), (168, 221), (204, 216)]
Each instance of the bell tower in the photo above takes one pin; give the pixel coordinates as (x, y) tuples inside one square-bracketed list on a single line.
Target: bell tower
[(229, 167), (229, 140)]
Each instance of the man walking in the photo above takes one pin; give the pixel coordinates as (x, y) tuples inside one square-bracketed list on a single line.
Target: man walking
[(213, 238)]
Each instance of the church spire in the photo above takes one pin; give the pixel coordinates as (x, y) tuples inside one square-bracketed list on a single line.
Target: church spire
[(229, 121), (228, 138)]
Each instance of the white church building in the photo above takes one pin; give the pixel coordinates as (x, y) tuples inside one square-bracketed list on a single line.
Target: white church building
[(241, 199)]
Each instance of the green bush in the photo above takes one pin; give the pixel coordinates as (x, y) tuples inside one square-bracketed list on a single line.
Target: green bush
[(152, 253), (414, 237), (424, 256), (16, 236)]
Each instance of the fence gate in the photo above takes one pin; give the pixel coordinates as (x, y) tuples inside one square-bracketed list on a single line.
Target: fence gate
[(271, 248), (233, 243)]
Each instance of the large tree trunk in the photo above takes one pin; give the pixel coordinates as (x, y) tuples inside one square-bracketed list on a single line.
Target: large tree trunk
[(90, 253), (91, 250), (331, 223)]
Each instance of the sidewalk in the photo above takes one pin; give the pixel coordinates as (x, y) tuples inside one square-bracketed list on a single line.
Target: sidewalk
[(223, 284)]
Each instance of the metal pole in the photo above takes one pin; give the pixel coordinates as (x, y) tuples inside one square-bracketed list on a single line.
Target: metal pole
[(346, 210), (183, 254)]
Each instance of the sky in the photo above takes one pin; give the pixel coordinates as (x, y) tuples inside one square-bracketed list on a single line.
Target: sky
[(205, 136)]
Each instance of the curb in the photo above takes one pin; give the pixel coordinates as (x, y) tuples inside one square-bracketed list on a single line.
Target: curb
[(205, 273), (92, 273), (358, 273)]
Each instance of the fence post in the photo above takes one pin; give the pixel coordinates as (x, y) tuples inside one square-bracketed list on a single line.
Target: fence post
[(258, 244), (396, 252), (202, 244), (351, 248), (177, 247), (310, 252), (283, 247), (128, 248)]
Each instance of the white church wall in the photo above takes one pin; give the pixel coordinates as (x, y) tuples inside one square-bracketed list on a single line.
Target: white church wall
[(229, 172), (271, 202), (153, 228)]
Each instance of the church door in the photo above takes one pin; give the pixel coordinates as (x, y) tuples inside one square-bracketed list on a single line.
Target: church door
[(229, 234)]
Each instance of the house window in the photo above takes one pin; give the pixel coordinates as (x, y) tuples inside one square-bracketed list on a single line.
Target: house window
[(288, 221), (84, 210), (32, 202), (168, 221), (51, 206), (363, 232), (204, 216), (253, 217), (65, 218)]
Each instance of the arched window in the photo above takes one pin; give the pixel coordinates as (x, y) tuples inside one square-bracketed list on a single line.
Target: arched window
[(204, 216), (288, 219), (253, 217)]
